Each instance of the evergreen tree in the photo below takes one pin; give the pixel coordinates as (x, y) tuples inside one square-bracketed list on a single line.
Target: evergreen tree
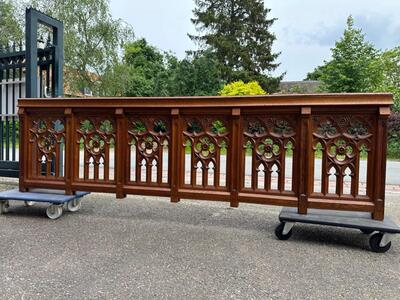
[(238, 32)]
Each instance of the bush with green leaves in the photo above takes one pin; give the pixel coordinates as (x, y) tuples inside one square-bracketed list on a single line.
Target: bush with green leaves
[(239, 88), (393, 150)]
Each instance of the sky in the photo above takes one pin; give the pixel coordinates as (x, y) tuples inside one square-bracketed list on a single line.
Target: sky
[(306, 30)]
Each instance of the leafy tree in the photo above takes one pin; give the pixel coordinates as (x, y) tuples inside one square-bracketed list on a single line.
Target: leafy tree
[(237, 31), (390, 72), (196, 75), (239, 88), (354, 66), (316, 74), (10, 28), (92, 40), (148, 72)]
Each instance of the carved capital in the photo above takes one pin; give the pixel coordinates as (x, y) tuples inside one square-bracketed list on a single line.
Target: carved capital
[(119, 111), (384, 111), (306, 110), (236, 112)]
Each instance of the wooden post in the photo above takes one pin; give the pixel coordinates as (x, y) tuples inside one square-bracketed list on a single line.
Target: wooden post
[(120, 157), (305, 153), (235, 157), (176, 157), (69, 162), (380, 164), (23, 146)]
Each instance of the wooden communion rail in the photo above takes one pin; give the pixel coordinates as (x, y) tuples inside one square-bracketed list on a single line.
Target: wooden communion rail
[(303, 151)]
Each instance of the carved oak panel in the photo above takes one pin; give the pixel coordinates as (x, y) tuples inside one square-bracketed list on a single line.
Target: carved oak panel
[(342, 140), (269, 144), (149, 139), (47, 144), (206, 142), (96, 139)]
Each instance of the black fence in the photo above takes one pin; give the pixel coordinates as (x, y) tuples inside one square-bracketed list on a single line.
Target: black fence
[(33, 69)]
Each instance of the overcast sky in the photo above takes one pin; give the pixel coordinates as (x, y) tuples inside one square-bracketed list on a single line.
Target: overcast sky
[(305, 29)]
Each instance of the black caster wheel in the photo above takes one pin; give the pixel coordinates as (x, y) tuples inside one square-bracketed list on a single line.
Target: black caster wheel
[(279, 232), (367, 231), (375, 243)]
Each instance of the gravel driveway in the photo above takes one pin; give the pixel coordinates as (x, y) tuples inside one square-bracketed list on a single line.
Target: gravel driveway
[(148, 248)]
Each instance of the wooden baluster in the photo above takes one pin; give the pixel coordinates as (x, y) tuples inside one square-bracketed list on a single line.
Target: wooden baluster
[(282, 171), (56, 158), (86, 162), (267, 178), (175, 168), (235, 164), (121, 167), (305, 154), (356, 178), (254, 173), (149, 165), (138, 164), (217, 167), (74, 147), (193, 167), (204, 174), (71, 160), (106, 164), (325, 170), (96, 166), (159, 165), (379, 181)]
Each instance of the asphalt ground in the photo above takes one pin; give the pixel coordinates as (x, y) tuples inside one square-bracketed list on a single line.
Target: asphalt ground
[(149, 248)]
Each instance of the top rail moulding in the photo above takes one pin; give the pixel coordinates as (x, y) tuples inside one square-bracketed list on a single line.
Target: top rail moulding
[(343, 99)]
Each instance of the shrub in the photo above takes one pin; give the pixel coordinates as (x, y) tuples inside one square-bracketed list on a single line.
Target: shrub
[(394, 136), (239, 88)]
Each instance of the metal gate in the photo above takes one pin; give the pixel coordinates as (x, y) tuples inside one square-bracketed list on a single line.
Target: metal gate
[(31, 69)]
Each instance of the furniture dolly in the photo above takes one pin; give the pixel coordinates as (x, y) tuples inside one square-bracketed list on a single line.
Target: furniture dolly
[(54, 198), (379, 241)]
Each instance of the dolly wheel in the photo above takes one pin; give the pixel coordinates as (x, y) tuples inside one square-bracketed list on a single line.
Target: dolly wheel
[(375, 243), (54, 211), (29, 203), (74, 205), (4, 205), (279, 232)]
